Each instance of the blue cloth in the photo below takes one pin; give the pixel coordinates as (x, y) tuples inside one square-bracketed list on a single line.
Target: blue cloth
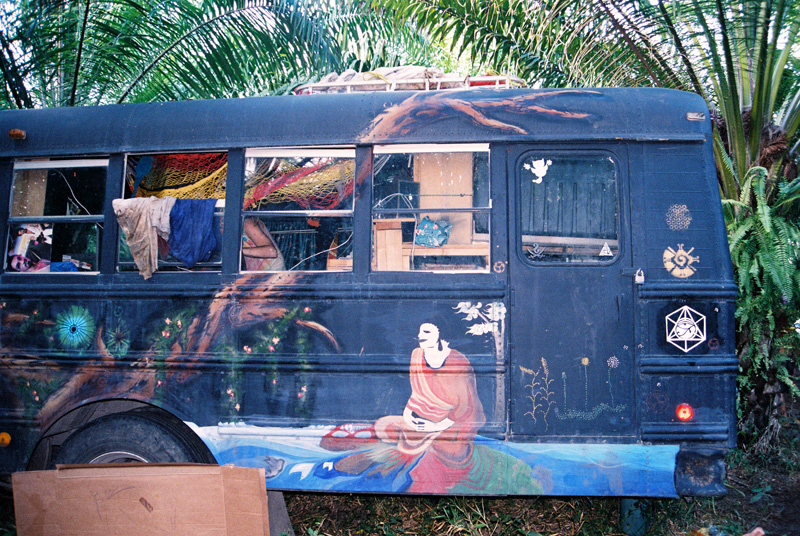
[(63, 267), (191, 235)]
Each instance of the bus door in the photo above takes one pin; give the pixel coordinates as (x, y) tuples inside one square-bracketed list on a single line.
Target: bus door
[(572, 280)]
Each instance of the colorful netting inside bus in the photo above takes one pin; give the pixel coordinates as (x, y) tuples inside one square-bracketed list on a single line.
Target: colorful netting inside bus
[(184, 176), (320, 186)]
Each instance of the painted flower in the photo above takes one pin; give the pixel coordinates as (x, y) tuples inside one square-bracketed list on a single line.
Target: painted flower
[(248, 350), (481, 329), (470, 309), (275, 340), (178, 323), (165, 334), (307, 310), (274, 381), (271, 348), (167, 321), (585, 361), (237, 407), (496, 311), (75, 327), (613, 362), (117, 342)]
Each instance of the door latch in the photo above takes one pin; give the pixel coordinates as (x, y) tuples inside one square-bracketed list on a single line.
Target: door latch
[(637, 274)]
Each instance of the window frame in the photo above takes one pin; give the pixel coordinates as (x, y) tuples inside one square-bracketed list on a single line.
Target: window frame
[(48, 163), (434, 148), (214, 268), (344, 152), (550, 152)]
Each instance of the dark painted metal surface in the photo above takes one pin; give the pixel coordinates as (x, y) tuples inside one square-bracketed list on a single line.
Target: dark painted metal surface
[(401, 117), (587, 360)]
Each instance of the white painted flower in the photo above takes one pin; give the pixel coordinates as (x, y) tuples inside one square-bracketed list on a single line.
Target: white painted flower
[(481, 329), (471, 310), (496, 311)]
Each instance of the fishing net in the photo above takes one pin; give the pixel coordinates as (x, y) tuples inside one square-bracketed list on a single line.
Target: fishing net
[(184, 176), (323, 185)]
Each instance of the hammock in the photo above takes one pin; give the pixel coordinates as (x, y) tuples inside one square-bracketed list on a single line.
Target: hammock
[(184, 176), (322, 186)]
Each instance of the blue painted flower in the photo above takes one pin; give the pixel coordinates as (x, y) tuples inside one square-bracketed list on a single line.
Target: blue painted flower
[(117, 342), (75, 327)]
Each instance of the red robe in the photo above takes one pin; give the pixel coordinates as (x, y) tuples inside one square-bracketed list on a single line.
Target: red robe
[(442, 458)]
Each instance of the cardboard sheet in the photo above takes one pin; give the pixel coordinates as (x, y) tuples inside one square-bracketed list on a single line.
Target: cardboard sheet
[(141, 499)]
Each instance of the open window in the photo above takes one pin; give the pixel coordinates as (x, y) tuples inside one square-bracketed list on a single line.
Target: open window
[(297, 212), (431, 206), (568, 208), (56, 217), (171, 212)]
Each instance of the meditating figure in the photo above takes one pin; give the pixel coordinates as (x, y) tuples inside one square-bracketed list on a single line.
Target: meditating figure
[(441, 418)]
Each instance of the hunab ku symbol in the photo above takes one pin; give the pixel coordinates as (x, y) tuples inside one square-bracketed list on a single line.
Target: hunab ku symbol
[(679, 262), (686, 328)]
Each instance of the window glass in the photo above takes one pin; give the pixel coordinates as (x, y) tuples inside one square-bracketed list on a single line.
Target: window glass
[(431, 209), (171, 212), (568, 208), (298, 210), (56, 216)]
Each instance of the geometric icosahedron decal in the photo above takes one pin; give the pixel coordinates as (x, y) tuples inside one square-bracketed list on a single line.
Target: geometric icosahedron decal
[(686, 328)]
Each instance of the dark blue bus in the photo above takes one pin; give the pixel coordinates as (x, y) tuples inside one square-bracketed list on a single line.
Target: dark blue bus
[(472, 291)]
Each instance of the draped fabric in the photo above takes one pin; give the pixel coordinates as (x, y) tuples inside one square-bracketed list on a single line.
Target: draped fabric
[(191, 238), (143, 220)]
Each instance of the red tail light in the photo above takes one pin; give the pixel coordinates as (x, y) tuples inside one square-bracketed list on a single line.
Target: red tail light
[(684, 412)]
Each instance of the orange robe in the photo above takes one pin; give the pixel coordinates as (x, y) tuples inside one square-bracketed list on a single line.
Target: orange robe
[(443, 459)]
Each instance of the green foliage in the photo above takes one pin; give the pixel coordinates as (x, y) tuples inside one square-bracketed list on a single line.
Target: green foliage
[(75, 53), (764, 240)]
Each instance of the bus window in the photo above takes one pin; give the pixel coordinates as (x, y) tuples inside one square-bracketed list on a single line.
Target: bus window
[(184, 194), (56, 216), (431, 208), (297, 212), (568, 208)]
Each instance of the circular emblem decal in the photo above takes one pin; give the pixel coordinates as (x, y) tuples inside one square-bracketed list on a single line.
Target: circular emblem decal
[(679, 262)]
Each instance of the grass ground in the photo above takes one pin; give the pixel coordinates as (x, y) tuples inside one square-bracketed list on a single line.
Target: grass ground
[(764, 490)]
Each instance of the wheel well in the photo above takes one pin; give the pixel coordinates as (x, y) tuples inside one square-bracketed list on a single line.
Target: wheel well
[(73, 420)]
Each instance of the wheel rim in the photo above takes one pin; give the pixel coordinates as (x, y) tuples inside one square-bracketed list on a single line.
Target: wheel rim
[(118, 456)]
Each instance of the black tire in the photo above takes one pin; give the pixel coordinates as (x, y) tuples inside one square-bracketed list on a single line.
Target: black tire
[(131, 437)]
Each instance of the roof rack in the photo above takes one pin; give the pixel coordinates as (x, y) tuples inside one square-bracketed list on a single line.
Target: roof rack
[(376, 82)]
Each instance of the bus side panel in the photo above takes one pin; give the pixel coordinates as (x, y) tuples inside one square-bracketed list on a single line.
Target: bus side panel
[(310, 391), (685, 327)]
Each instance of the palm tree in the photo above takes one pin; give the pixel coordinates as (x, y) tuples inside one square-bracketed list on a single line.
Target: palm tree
[(83, 52), (737, 54)]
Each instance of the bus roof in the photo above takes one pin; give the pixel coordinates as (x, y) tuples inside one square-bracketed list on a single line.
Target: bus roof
[(454, 116)]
